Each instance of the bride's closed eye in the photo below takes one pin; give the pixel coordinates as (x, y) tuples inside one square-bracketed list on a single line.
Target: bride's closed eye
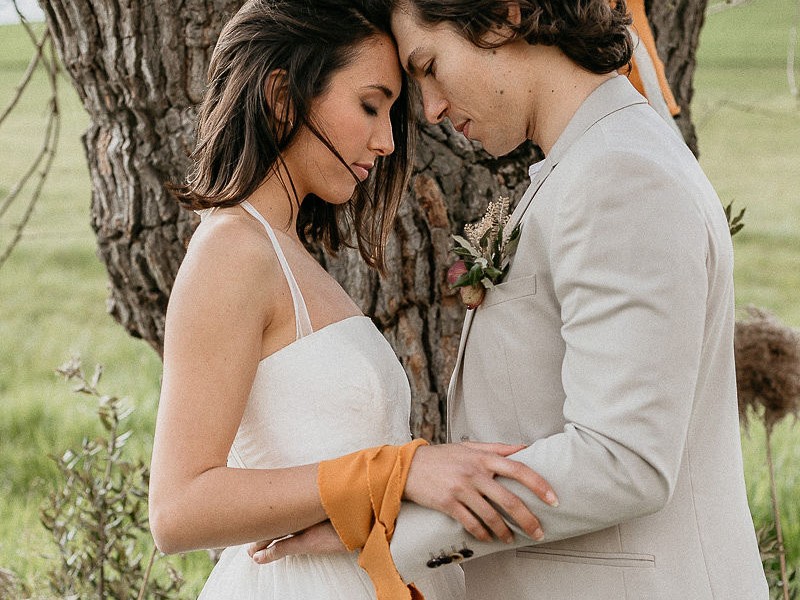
[(369, 109)]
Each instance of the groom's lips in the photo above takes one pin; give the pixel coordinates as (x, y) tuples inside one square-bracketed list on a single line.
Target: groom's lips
[(463, 128)]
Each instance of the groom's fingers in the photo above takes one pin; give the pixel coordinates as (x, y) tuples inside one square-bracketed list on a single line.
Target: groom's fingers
[(257, 546)]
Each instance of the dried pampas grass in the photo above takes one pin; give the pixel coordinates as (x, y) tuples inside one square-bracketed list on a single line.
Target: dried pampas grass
[(767, 368), (768, 380)]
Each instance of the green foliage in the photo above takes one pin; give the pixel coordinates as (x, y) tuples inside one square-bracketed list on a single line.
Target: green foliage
[(770, 556), (735, 224), (10, 585), (53, 294), (98, 514), (484, 249), (53, 289)]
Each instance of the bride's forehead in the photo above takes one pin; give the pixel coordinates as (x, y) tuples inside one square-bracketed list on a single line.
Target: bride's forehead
[(375, 65)]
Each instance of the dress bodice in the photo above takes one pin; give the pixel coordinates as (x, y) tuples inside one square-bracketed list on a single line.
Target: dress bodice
[(330, 392)]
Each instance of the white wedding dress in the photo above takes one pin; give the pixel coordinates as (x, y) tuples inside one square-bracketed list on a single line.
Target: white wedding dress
[(331, 392)]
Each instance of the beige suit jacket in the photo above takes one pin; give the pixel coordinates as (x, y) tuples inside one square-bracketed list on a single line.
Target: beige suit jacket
[(608, 350)]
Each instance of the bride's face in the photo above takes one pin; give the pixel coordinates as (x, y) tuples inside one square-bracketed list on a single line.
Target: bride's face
[(353, 113)]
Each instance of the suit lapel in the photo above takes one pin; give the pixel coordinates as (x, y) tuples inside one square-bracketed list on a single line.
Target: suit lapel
[(451, 389), (525, 201), (613, 95)]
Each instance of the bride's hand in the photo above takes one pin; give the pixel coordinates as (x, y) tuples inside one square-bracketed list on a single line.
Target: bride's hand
[(459, 480), (317, 539)]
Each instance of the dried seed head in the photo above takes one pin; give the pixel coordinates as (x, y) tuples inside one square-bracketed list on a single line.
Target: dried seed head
[(767, 368)]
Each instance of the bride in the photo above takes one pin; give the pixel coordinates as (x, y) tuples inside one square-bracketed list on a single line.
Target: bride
[(269, 367)]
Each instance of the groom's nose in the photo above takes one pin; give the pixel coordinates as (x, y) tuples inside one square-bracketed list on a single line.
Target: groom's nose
[(434, 105)]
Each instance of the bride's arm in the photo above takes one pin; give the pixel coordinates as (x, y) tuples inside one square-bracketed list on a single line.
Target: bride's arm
[(218, 310), (217, 314)]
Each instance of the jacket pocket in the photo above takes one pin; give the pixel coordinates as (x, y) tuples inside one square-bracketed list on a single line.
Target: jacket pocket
[(510, 290), (608, 559)]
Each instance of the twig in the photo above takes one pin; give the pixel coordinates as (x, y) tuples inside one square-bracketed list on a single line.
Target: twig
[(146, 577), (26, 78), (718, 7), (777, 514), (44, 150), (791, 53), (715, 107), (49, 146)]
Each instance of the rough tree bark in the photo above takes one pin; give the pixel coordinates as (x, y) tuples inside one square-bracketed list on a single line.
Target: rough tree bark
[(676, 26), (139, 67)]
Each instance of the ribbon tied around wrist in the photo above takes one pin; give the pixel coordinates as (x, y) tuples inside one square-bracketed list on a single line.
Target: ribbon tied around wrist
[(361, 494)]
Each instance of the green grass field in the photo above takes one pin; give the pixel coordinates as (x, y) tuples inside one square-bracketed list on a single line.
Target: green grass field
[(53, 289)]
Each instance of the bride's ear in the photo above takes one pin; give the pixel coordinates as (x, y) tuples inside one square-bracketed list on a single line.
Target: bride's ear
[(276, 95)]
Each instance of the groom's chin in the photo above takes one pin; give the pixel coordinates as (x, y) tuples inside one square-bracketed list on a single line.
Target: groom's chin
[(499, 149)]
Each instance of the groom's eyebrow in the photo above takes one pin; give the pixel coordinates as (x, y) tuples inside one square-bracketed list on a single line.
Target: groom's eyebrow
[(411, 67)]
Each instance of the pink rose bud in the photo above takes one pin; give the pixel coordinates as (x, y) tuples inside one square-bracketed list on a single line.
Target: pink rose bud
[(456, 271), (472, 295)]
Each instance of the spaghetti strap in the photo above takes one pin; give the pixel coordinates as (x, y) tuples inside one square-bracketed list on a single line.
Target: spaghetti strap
[(301, 318)]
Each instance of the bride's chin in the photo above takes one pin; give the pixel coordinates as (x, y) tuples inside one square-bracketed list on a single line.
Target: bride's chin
[(338, 199)]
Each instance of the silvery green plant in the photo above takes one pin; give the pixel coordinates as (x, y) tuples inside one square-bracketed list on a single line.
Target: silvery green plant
[(98, 511)]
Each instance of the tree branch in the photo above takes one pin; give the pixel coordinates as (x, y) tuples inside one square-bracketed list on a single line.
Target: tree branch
[(49, 144)]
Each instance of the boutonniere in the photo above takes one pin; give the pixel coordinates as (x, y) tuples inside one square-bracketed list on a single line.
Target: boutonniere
[(485, 252)]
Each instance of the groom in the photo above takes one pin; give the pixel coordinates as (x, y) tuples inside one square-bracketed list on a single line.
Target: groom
[(608, 348)]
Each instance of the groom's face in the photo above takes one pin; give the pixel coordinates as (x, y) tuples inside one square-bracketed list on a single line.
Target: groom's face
[(472, 87)]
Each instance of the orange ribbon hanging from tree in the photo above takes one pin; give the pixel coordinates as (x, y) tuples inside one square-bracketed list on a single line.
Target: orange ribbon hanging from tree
[(642, 28)]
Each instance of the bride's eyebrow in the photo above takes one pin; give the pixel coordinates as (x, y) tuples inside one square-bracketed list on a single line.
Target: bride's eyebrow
[(381, 88)]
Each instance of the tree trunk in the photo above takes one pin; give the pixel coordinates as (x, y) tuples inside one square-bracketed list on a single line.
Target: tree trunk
[(676, 26), (139, 67)]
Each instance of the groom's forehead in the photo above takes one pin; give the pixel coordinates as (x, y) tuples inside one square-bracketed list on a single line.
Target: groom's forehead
[(414, 41)]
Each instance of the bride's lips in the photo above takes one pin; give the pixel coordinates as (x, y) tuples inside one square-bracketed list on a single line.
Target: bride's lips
[(361, 170)]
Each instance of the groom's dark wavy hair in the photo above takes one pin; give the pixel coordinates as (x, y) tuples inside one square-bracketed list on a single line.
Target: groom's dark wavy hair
[(240, 139), (593, 33)]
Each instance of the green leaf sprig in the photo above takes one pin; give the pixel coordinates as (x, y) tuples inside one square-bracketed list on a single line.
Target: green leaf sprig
[(484, 247)]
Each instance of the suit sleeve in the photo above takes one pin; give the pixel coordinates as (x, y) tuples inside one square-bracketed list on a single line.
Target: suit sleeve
[(628, 259)]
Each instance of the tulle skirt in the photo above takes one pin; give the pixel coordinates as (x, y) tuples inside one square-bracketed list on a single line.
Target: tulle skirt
[(312, 577)]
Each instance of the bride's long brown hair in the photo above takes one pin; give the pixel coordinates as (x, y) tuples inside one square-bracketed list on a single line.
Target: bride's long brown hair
[(240, 140)]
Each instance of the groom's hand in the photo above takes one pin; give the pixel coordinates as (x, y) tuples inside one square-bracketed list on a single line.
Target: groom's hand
[(459, 480), (317, 539)]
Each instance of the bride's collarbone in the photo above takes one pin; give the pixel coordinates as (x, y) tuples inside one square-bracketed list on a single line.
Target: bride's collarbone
[(325, 300)]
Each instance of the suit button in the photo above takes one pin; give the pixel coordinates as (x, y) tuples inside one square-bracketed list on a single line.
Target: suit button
[(445, 559), (464, 438), (433, 563), (466, 552), (456, 557)]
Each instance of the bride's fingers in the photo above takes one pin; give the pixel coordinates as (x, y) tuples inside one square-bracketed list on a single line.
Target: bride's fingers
[(522, 473), (470, 523), (495, 448), (514, 508), (489, 517)]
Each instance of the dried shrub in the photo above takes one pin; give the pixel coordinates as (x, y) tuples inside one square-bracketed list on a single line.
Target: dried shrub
[(767, 368), (98, 512)]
